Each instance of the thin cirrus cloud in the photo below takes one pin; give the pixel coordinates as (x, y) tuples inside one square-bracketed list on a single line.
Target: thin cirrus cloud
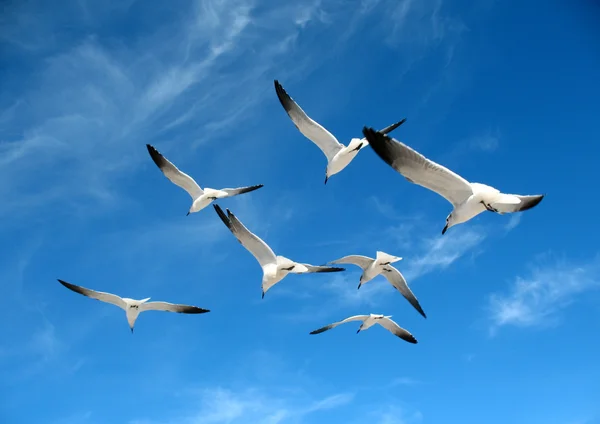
[(538, 299), (251, 405), (91, 104)]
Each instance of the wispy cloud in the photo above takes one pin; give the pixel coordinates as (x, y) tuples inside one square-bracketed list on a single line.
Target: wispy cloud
[(538, 299), (439, 252), (253, 406), (515, 219), (91, 105)]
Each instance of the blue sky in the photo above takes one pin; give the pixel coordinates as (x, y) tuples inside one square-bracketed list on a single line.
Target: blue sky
[(503, 92)]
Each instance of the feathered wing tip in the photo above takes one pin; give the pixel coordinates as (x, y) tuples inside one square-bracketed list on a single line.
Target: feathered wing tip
[(392, 127), (156, 156), (528, 202), (249, 189), (380, 143), (322, 329), (222, 215)]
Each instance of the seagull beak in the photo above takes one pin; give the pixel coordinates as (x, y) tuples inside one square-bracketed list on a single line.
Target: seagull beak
[(445, 229)]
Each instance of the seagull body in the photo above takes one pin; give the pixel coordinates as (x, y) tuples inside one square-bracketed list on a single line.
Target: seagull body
[(370, 320), (468, 199), (338, 155), (201, 198), (382, 265), (133, 307), (275, 267)]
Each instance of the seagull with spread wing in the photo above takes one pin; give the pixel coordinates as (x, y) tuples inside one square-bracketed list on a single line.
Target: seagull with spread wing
[(338, 155), (133, 307), (275, 268), (468, 199), (201, 198), (382, 265), (370, 320)]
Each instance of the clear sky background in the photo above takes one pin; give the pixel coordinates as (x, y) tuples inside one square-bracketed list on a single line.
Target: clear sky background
[(503, 92)]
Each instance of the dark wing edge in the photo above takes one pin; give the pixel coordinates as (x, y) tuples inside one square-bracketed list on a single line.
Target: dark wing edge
[(392, 127)]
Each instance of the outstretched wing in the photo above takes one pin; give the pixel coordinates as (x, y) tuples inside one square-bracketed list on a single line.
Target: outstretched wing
[(335, 324), (176, 176), (394, 328), (417, 169), (254, 244), (240, 190), (172, 307), (101, 296), (361, 261), (397, 280), (317, 268), (307, 126)]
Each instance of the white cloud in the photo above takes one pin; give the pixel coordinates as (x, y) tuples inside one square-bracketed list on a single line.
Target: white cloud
[(442, 251), (254, 406), (92, 106), (538, 299), (514, 220)]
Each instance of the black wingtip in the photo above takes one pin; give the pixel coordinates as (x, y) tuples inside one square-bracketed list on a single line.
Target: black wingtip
[(156, 156), (392, 127)]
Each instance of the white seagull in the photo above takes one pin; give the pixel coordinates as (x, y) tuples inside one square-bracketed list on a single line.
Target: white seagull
[(468, 199), (370, 320), (133, 307), (338, 155), (275, 268), (200, 198), (382, 265)]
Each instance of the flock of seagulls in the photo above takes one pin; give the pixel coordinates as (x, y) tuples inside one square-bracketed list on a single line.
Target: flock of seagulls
[(468, 200)]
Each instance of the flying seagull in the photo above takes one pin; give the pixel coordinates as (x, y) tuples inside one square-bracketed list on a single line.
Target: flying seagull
[(382, 265), (338, 155), (468, 199), (200, 198), (133, 307), (368, 321), (275, 268)]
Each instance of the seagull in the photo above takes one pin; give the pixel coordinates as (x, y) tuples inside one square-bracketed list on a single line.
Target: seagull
[(200, 198), (275, 268), (382, 265), (468, 199), (338, 155), (368, 321), (133, 307)]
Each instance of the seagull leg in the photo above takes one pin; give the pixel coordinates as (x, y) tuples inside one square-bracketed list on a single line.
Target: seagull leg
[(488, 207), (326, 178)]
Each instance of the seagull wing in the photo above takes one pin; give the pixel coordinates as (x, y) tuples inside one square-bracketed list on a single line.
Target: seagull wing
[(335, 324), (361, 261), (417, 169), (172, 307), (516, 203), (394, 328), (310, 128), (254, 244), (241, 190), (104, 297), (397, 280), (319, 268), (176, 176), (392, 127)]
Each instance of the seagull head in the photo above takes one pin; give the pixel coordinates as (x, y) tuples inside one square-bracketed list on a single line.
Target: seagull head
[(449, 223)]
